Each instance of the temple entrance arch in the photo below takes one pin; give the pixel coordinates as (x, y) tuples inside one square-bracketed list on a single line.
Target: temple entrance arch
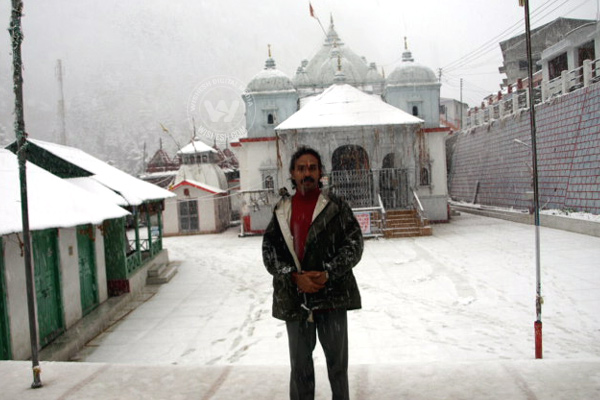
[(350, 157), (351, 176), (389, 161), (393, 184)]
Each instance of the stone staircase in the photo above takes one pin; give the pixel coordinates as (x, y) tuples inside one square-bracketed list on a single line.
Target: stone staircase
[(161, 273), (405, 223)]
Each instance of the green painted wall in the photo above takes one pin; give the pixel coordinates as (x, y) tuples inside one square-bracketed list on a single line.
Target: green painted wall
[(5, 353)]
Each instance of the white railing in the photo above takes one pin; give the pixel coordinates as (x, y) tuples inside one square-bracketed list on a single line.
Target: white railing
[(383, 212), (518, 99), (419, 207)]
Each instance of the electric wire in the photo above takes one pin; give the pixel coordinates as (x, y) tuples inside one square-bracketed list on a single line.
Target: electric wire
[(491, 44), (465, 63)]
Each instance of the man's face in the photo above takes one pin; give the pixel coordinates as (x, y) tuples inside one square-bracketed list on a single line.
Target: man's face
[(306, 173)]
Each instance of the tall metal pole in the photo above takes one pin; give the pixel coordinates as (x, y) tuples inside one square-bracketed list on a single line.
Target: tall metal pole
[(536, 194), (62, 129), (17, 37), (461, 104)]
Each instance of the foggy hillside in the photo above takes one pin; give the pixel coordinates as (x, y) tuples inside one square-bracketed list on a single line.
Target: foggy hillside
[(130, 66)]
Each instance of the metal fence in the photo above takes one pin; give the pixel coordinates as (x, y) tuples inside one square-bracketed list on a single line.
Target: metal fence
[(361, 188)]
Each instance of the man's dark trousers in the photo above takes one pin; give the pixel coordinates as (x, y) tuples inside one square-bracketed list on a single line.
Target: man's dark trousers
[(332, 327)]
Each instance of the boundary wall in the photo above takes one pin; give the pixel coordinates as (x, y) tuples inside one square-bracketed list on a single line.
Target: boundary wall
[(491, 164)]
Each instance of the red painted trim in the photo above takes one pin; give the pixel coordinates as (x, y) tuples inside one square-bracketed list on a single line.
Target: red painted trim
[(186, 183), (441, 129), (247, 227), (258, 139), (235, 144)]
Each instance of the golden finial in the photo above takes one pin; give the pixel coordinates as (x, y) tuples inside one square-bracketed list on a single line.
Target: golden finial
[(269, 47), (405, 43)]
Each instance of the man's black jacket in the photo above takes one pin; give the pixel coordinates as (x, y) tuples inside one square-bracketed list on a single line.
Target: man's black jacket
[(334, 244)]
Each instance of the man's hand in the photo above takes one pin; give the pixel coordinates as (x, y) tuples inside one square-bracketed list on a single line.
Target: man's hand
[(310, 281)]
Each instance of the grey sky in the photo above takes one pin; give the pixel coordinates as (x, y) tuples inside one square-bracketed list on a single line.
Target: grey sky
[(156, 51)]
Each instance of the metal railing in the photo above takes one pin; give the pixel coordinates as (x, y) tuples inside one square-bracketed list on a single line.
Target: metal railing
[(419, 207), (370, 188), (518, 99)]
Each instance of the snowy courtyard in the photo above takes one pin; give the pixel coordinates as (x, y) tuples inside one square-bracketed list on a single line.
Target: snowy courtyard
[(465, 294)]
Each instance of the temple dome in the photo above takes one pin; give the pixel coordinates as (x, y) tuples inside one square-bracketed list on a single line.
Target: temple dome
[(270, 79), (411, 73), (199, 164), (301, 78), (335, 66), (373, 76), (321, 69)]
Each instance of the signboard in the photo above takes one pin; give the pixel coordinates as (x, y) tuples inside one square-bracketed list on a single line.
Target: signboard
[(364, 220)]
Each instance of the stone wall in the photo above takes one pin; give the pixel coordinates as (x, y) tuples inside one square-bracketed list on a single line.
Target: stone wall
[(491, 164)]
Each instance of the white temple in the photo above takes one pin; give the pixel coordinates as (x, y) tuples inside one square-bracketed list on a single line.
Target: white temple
[(380, 138)]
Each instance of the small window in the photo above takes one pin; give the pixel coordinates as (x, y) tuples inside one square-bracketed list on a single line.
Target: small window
[(523, 65), (270, 119), (415, 111), (186, 192)]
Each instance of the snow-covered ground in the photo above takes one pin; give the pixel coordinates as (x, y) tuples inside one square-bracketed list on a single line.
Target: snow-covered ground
[(465, 294)]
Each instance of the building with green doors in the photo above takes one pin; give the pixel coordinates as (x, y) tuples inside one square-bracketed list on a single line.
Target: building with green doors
[(67, 246), (130, 243)]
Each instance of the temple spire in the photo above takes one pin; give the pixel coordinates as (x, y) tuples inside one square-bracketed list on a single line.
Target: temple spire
[(407, 55), (270, 63)]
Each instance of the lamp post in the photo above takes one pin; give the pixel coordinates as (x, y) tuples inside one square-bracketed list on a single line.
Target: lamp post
[(17, 37), (536, 197)]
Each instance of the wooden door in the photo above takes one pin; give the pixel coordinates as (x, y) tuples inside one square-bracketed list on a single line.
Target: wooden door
[(47, 284), (4, 332)]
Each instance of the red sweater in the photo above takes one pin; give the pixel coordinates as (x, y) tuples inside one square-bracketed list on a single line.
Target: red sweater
[(303, 207)]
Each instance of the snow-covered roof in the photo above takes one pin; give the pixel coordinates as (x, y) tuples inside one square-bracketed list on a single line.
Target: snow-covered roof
[(196, 146), (133, 191), (200, 185), (97, 189), (344, 105), (52, 201)]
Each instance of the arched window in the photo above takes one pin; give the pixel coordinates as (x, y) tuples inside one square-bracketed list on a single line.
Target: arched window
[(269, 182), (415, 111), (270, 119), (186, 192), (425, 177), (351, 175), (350, 158), (388, 161)]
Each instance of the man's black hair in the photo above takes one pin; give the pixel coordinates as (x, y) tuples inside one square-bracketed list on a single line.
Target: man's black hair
[(302, 150)]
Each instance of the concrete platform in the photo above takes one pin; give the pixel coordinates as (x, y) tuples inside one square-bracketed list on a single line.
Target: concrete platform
[(514, 380)]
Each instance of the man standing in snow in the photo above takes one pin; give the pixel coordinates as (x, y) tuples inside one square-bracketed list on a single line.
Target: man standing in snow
[(310, 247)]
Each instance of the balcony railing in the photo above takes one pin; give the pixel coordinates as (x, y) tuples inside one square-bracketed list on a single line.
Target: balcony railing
[(518, 99)]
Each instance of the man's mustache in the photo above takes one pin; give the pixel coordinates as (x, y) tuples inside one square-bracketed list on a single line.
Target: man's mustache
[(308, 179)]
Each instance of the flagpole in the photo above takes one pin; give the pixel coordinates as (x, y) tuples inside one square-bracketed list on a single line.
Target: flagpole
[(312, 14), (536, 194)]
